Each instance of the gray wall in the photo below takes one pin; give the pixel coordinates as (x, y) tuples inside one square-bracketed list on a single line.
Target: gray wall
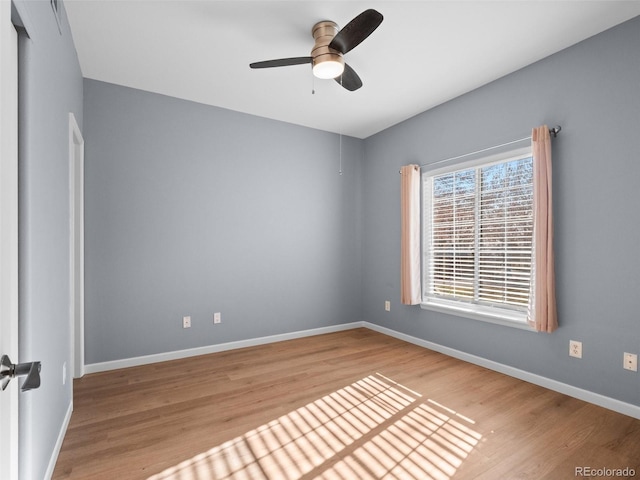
[(593, 90), (192, 209), (50, 87)]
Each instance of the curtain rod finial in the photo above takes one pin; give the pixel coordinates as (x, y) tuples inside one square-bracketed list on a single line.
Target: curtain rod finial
[(555, 130)]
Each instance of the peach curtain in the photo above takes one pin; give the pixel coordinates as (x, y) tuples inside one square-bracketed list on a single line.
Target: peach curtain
[(542, 313), (410, 293)]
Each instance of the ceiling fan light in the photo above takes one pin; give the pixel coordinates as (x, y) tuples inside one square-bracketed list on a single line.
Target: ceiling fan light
[(328, 68)]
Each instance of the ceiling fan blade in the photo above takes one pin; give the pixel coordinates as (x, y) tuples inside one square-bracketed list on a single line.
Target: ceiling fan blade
[(349, 79), (281, 62), (356, 31)]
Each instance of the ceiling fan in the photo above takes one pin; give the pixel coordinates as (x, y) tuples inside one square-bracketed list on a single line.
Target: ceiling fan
[(330, 45)]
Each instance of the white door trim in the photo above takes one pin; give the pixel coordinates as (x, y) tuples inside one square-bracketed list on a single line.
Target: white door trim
[(76, 245), (8, 236)]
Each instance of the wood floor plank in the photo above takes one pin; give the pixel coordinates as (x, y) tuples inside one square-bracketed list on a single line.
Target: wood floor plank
[(353, 404)]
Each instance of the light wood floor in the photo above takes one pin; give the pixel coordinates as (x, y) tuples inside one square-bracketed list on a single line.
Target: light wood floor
[(348, 405)]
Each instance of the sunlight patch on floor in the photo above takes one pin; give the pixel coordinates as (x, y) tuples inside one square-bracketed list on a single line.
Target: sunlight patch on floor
[(373, 428)]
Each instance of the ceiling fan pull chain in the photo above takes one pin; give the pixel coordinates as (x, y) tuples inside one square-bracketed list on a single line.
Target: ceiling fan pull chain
[(340, 171), (313, 83)]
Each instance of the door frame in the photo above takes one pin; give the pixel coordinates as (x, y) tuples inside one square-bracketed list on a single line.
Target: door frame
[(76, 246), (9, 441)]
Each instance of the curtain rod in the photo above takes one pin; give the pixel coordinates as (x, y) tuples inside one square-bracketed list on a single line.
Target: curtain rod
[(553, 131)]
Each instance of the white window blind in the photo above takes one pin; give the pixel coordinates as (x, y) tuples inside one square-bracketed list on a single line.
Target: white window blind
[(478, 233)]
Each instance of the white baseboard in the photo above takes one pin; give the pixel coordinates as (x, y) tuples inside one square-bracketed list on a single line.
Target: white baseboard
[(586, 395), (60, 439), (221, 347)]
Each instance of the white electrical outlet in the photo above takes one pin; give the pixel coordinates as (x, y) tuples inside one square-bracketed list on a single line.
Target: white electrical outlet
[(630, 362), (64, 373), (387, 306), (575, 349), (186, 322), (217, 318)]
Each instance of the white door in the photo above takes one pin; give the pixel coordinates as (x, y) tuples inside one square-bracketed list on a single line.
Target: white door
[(76, 205), (8, 237)]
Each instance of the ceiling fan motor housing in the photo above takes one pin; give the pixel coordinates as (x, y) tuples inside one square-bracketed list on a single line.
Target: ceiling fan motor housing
[(327, 62)]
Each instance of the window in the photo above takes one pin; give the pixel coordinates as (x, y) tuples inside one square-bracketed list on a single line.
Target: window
[(478, 238)]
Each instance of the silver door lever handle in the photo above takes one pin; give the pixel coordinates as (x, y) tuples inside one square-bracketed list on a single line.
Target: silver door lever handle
[(10, 370)]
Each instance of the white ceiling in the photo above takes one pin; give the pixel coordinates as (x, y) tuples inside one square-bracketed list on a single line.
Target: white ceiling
[(423, 54)]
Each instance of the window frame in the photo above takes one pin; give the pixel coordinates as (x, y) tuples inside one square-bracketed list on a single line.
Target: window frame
[(506, 316)]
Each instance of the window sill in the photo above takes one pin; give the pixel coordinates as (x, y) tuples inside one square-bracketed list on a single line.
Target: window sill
[(504, 318)]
